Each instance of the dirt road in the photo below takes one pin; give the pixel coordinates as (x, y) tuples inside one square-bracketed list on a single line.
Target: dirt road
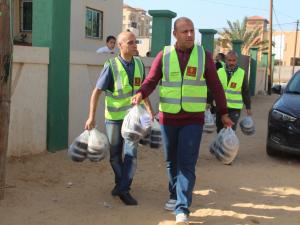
[(50, 189)]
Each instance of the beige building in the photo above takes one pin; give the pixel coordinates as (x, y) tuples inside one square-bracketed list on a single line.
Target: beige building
[(137, 21), (91, 22), (285, 46)]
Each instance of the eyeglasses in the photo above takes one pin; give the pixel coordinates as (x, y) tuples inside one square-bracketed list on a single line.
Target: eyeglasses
[(132, 42)]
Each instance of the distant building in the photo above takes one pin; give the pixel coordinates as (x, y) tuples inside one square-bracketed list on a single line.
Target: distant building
[(137, 21), (284, 47)]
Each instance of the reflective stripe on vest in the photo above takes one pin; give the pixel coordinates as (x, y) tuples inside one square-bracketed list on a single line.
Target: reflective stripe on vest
[(187, 92), (233, 88), (119, 101)]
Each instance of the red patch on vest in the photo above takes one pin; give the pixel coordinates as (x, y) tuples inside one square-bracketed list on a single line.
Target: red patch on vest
[(233, 85), (137, 81), (191, 71)]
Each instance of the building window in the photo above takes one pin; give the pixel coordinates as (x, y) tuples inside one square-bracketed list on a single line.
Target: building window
[(26, 15), (134, 24), (94, 23)]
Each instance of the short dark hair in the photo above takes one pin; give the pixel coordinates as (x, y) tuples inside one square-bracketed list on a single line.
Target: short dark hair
[(110, 37), (222, 56)]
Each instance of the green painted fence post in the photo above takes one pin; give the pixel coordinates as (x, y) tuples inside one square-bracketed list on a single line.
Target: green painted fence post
[(264, 59), (207, 39), (161, 29), (253, 68), (237, 47), (51, 28)]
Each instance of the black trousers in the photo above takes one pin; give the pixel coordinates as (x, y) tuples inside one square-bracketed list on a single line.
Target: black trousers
[(234, 115)]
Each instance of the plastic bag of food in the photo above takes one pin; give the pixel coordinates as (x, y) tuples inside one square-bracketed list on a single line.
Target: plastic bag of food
[(78, 149), (247, 125), (98, 146), (136, 124), (225, 146), (209, 122)]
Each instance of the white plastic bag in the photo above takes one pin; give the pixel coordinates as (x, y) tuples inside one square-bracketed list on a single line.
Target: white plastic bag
[(78, 149), (136, 124), (247, 125), (98, 146), (155, 137), (209, 122), (225, 146)]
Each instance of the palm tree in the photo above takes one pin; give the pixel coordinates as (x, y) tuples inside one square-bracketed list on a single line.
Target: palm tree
[(238, 31)]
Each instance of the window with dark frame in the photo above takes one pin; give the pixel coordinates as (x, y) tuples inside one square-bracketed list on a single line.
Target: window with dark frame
[(26, 15), (93, 23)]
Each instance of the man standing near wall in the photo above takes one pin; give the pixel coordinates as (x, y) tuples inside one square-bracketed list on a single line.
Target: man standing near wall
[(109, 47), (184, 72), (120, 78)]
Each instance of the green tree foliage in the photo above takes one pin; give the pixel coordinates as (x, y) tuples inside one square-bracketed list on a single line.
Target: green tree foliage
[(238, 30)]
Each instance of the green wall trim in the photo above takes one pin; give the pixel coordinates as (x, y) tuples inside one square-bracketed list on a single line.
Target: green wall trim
[(253, 68), (51, 28), (207, 39), (161, 29), (237, 47)]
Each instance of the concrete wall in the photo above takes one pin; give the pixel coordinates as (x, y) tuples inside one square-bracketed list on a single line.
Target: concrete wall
[(112, 22), (28, 121), (282, 74), (28, 112), (260, 85)]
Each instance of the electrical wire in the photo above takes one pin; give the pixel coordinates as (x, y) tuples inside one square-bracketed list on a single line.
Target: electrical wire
[(234, 5)]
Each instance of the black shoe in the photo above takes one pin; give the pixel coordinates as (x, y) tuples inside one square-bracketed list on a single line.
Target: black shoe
[(127, 199), (115, 190)]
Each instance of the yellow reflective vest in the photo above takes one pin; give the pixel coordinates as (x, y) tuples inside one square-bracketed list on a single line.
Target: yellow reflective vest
[(233, 88), (119, 101), (187, 92)]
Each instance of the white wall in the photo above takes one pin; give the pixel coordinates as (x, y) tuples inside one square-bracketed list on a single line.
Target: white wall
[(283, 74), (112, 22), (28, 112), (260, 86)]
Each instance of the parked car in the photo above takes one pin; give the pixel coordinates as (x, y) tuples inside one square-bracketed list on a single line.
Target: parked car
[(284, 119)]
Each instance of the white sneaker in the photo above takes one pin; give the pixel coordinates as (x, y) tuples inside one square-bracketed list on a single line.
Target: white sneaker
[(170, 205), (182, 219)]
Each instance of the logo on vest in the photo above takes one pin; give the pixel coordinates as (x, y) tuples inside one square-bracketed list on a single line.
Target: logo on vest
[(233, 85), (137, 81), (191, 71)]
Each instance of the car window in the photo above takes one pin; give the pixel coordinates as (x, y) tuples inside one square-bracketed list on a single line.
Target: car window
[(294, 84)]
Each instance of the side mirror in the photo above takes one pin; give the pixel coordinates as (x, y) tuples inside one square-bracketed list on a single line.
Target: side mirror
[(277, 89)]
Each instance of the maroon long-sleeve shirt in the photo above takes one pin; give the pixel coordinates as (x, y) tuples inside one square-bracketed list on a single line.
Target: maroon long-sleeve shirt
[(212, 82)]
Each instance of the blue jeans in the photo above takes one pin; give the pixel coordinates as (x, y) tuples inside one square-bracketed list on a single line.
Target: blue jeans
[(124, 167), (181, 148)]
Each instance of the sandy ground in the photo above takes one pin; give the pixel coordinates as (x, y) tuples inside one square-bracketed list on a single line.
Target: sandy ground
[(50, 189)]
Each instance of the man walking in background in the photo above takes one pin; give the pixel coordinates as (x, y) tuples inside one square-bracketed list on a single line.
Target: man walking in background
[(236, 89)]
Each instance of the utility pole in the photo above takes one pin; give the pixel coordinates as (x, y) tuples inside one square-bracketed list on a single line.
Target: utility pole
[(5, 85), (270, 76), (294, 57)]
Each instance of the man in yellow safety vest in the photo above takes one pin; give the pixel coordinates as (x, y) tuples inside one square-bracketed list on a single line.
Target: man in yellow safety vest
[(120, 78), (235, 85)]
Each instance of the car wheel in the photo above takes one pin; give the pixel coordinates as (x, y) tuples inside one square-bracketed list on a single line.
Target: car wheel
[(271, 151)]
